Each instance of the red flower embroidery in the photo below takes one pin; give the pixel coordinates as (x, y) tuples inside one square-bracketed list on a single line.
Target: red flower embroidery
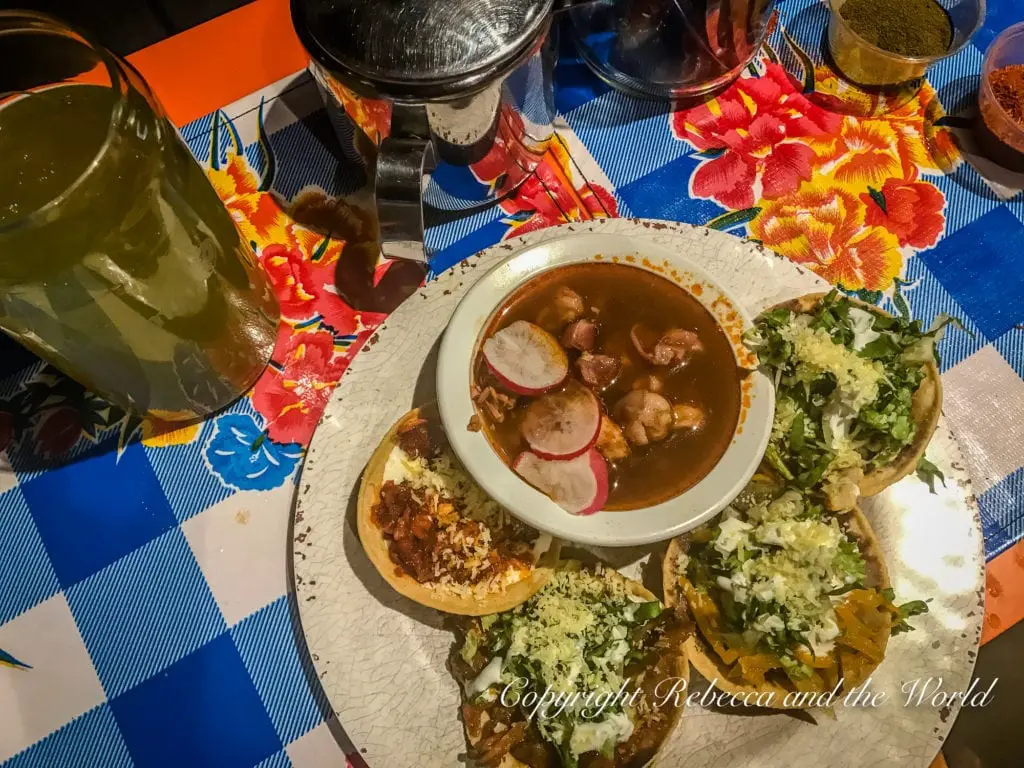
[(911, 210), (509, 159), (759, 131), (332, 308), (548, 198), (290, 277), (57, 432), (305, 289), (292, 393)]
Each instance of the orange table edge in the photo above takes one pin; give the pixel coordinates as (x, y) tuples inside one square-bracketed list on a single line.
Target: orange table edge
[(219, 62)]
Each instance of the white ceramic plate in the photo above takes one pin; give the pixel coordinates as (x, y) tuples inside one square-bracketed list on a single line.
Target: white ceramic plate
[(662, 521), (382, 659)]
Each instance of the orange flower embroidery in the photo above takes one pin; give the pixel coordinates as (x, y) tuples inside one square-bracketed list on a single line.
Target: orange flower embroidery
[(866, 152), (918, 141), (824, 229), (257, 215)]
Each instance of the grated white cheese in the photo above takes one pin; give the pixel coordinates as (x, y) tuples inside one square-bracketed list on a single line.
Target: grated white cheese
[(857, 379), (786, 410), (556, 633)]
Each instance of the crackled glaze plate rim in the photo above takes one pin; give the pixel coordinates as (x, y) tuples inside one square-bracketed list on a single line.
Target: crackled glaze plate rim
[(381, 660), (659, 522)]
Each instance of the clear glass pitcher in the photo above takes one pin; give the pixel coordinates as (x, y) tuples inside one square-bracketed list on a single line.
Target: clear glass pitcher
[(670, 49), (118, 262)]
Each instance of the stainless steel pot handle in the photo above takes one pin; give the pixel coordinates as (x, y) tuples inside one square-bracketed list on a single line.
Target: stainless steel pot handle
[(403, 161)]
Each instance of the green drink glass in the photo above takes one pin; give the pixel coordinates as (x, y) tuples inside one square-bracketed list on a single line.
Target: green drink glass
[(118, 262)]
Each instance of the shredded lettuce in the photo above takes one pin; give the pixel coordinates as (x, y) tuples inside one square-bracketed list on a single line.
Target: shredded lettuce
[(470, 645), (850, 563)]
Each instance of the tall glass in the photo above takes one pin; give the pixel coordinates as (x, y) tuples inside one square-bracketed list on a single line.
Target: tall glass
[(118, 262)]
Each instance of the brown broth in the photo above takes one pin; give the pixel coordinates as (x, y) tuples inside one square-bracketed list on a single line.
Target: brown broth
[(617, 296)]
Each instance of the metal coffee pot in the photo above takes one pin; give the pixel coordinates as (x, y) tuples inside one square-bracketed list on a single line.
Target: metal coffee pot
[(459, 90)]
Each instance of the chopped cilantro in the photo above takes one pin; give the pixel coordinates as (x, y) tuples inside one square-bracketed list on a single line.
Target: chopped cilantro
[(929, 473), (795, 669), (845, 384), (647, 611), (907, 611), (904, 612)]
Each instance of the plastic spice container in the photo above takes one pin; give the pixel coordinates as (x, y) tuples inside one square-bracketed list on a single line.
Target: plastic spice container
[(867, 64), (1006, 50)]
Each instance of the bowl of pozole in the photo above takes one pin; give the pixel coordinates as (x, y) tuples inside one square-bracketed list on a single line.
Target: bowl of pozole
[(599, 390)]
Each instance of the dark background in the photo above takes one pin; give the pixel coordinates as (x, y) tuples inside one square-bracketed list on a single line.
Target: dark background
[(989, 738), (125, 26)]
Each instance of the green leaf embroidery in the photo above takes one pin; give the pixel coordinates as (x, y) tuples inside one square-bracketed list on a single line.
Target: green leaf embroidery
[(215, 141), (258, 442), (321, 249), (879, 199), (901, 305), (868, 297), (733, 219), (219, 119), (10, 661), (236, 140)]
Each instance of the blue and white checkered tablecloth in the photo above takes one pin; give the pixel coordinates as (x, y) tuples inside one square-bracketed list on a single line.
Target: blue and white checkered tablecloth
[(144, 608)]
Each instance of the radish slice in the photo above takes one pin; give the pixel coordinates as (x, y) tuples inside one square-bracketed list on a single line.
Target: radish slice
[(579, 486), (526, 359), (562, 425)]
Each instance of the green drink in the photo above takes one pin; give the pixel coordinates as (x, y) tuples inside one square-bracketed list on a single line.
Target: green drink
[(118, 262)]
